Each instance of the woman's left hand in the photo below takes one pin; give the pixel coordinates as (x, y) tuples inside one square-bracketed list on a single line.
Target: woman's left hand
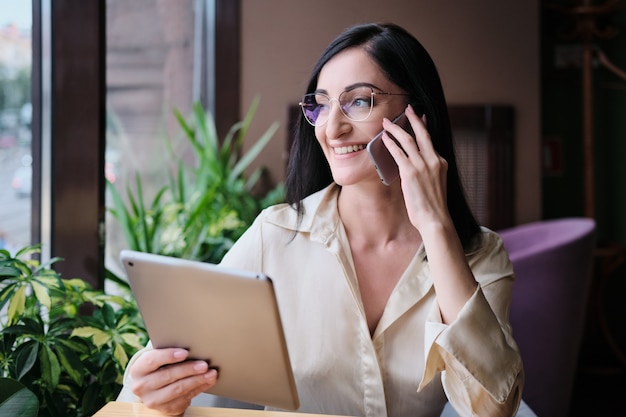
[(423, 172), (423, 176)]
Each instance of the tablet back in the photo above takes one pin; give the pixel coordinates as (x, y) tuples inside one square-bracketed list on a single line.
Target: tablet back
[(227, 317)]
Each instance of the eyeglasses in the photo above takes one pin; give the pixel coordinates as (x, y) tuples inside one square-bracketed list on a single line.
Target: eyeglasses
[(356, 104)]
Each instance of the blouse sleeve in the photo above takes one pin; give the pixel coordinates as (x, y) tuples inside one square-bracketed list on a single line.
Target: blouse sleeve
[(247, 252), (482, 371), (126, 394)]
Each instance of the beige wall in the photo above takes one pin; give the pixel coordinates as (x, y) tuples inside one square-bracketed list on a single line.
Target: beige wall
[(487, 51)]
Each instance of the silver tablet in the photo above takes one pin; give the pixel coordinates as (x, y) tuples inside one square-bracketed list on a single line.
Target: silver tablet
[(227, 317)]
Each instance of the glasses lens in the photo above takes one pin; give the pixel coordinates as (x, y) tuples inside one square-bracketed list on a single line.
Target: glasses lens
[(357, 104), (315, 108)]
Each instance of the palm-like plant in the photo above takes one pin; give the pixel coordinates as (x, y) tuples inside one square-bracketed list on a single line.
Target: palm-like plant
[(206, 206)]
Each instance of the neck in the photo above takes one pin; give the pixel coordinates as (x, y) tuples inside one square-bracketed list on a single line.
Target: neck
[(375, 215)]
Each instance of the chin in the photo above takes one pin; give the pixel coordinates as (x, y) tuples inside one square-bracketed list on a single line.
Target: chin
[(341, 182), (345, 180)]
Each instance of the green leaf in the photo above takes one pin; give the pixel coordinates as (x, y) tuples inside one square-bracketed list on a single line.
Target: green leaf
[(179, 186), (26, 358), (77, 283), (46, 266), (9, 272), (16, 305), (29, 326), (111, 276), (187, 130), (207, 130), (41, 292), (133, 339), (142, 215), (50, 368), (89, 403), (71, 364), (108, 315), (6, 294), (28, 250), (16, 400), (121, 213), (247, 121), (53, 282), (76, 345), (253, 152), (120, 354), (98, 336)]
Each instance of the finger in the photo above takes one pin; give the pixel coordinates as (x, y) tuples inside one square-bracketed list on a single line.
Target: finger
[(405, 151), (422, 136), (394, 149), (170, 375), (404, 140), (179, 404), (174, 408), (176, 397), (155, 359)]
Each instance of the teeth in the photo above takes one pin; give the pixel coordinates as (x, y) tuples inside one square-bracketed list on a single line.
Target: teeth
[(347, 149)]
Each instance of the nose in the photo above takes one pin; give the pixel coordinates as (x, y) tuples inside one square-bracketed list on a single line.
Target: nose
[(337, 123)]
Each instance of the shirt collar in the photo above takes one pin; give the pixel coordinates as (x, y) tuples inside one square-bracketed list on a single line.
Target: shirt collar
[(320, 217)]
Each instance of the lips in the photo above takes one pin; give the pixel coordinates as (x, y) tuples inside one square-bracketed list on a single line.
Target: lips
[(342, 150)]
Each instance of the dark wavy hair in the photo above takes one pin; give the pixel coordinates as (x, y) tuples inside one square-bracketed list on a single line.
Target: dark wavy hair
[(406, 63)]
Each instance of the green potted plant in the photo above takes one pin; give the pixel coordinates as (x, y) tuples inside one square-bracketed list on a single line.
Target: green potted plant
[(65, 342), (208, 204)]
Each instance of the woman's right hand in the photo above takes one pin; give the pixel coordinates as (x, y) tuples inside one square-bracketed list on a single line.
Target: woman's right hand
[(165, 381)]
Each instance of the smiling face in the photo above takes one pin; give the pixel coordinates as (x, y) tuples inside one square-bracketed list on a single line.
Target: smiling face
[(343, 141)]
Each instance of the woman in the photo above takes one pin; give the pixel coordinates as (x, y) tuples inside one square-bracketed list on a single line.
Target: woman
[(393, 299)]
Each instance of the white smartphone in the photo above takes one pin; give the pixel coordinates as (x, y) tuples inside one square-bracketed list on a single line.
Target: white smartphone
[(384, 163)]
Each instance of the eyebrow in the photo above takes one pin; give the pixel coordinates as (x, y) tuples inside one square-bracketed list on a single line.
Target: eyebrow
[(351, 87)]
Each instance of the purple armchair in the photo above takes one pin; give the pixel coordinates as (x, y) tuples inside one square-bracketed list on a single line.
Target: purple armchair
[(553, 262)]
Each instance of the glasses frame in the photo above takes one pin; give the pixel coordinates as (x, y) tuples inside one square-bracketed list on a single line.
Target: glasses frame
[(330, 100)]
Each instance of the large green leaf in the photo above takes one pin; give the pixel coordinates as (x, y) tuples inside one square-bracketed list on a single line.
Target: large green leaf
[(25, 358), (71, 363), (17, 304), (50, 368), (9, 271), (16, 400)]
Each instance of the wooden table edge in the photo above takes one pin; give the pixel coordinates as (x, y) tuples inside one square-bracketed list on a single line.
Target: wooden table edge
[(127, 409)]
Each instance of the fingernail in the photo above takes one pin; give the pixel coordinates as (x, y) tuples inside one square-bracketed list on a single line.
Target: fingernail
[(410, 108), (212, 374), (200, 366), (179, 354)]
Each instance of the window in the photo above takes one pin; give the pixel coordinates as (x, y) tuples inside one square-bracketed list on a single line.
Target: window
[(162, 56), (15, 122), (69, 116)]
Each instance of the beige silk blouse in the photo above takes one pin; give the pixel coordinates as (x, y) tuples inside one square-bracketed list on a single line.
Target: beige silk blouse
[(413, 363)]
